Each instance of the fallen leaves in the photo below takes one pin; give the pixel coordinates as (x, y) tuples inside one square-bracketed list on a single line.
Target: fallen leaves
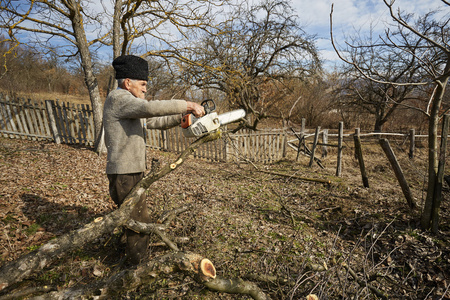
[(244, 221), (42, 190)]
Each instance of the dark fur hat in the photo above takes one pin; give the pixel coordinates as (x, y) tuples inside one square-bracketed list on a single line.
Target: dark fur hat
[(130, 66)]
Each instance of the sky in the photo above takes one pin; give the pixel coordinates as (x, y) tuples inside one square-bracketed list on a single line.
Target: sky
[(350, 16)]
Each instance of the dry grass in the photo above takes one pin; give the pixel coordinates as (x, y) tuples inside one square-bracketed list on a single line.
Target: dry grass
[(76, 99)]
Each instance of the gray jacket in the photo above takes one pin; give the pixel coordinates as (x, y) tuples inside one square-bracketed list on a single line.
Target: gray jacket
[(123, 121)]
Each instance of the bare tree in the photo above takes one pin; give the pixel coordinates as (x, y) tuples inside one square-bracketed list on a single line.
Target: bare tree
[(426, 42), (386, 64), (240, 52), (62, 22), (81, 28), (254, 50)]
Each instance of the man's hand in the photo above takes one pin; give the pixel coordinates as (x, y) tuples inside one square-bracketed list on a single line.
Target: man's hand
[(196, 109)]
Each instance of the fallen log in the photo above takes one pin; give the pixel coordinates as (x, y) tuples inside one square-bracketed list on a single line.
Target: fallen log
[(236, 286), (35, 261), (132, 278), (193, 265)]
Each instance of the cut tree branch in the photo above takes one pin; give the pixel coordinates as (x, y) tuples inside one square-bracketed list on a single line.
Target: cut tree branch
[(193, 265), (150, 228), (142, 274)]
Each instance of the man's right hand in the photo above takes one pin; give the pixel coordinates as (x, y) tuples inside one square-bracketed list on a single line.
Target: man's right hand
[(196, 109)]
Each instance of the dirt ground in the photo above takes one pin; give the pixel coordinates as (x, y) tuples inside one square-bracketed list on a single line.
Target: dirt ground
[(337, 240)]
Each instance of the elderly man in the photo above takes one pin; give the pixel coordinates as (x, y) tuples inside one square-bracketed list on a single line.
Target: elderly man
[(125, 113)]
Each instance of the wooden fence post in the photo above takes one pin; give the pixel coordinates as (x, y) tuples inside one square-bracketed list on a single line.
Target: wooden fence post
[(40, 118), (84, 118), (313, 150), (51, 117), (83, 125), (398, 172), (60, 122), (10, 117), (339, 152), (26, 108), (16, 111), (300, 138), (284, 142), (324, 142), (412, 142), (303, 129), (162, 143), (32, 113), (358, 153), (6, 118), (9, 120)]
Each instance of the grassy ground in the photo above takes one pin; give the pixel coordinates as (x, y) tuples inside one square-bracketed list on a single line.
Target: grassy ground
[(76, 99), (313, 235)]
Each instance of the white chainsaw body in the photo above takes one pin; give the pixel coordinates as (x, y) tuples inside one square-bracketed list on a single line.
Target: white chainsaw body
[(203, 125), (211, 122)]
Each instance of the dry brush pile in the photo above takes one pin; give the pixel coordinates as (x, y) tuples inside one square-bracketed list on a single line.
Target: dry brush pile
[(290, 237)]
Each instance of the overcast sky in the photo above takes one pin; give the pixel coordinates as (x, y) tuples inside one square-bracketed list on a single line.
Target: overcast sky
[(350, 16)]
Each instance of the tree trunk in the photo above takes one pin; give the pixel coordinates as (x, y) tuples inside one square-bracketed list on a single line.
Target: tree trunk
[(116, 28), (440, 176), (378, 125), (86, 64), (433, 154)]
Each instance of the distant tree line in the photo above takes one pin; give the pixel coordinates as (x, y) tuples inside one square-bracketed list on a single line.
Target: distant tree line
[(28, 71)]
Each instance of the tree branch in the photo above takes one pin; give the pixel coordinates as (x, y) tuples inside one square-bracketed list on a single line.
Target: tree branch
[(358, 67), (191, 264), (150, 228), (402, 22)]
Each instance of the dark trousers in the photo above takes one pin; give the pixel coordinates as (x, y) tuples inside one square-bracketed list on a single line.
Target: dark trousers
[(119, 187)]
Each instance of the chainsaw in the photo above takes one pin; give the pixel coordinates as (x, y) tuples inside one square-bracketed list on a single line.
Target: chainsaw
[(197, 127)]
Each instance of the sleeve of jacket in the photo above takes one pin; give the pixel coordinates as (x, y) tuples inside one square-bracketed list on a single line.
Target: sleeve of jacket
[(165, 122), (129, 107)]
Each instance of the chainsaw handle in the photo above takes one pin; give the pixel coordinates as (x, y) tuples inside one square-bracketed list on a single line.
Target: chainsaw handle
[(209, 105), (187, 120)]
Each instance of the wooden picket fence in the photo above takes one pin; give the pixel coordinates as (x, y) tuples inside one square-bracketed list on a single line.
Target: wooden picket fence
[(73, 124), (47, 120)]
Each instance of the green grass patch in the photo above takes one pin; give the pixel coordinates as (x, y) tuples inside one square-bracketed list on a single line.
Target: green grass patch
[(32, 229)]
